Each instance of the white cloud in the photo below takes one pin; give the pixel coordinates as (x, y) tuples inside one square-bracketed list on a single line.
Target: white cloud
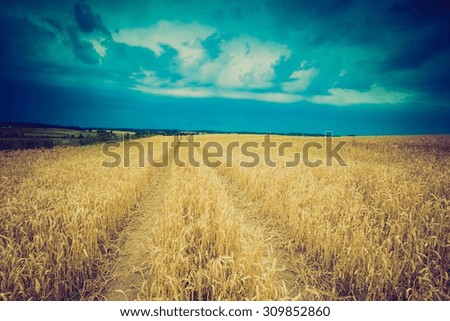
[(99, 48), (209, 92), (244, 62), (300, 79), (184, 37), (148, 78), (376, 95), (148, 82)]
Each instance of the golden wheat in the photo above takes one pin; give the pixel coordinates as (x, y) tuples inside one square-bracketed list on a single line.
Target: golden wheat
[(60, 211), (200, 248), (377, 229)]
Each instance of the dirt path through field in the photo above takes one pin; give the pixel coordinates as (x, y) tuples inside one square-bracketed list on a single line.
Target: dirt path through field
[(274, 239), (127, 272), (127, 277)]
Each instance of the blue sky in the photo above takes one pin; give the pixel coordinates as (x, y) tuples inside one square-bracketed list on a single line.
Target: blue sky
[(352, 67)]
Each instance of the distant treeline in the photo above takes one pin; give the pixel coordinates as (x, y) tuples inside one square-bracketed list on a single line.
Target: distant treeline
[(36, 125), (30, 135), (26, 143), (19, 140), (142, 132)]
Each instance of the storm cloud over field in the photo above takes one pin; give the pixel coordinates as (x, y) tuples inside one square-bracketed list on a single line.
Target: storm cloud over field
[(356, 67)]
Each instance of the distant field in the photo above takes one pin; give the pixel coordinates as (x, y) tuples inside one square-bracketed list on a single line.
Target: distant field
[(41, 132), (375, 229), (26, 138)]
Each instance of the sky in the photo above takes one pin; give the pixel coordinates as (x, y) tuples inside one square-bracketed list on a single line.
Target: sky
[(347, 66)]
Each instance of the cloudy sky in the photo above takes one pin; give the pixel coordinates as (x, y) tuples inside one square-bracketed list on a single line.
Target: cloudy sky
[(352, 67)]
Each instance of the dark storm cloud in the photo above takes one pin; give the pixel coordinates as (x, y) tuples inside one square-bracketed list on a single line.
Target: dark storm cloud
[(403, 45), (123, 60), (22, 42), (419, 10), (236, 12), (397, 45), (47, 48), (166, 64), (359, 50), (82, 49), (418, 61), (292, 10), (55, 24), (87, 20), (419, 51), (212, 44), (430, 20)]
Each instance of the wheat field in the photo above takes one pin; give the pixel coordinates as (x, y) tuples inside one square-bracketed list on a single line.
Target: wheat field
[(376, 229)]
